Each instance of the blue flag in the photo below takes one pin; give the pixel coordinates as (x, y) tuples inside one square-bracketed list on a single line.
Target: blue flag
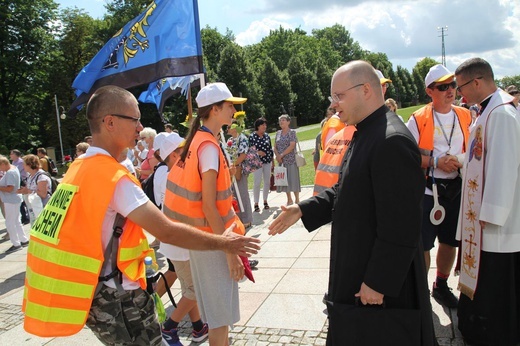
[(160, 91), (163, 41)]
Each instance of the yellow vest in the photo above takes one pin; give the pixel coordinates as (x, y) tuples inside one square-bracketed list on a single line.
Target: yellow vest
[(65, 254)]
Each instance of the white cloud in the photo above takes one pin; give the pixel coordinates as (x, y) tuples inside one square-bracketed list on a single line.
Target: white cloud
[(407, 30), (258, 30)]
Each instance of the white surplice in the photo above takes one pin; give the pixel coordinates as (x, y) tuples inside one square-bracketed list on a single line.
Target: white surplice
[(501, 198)]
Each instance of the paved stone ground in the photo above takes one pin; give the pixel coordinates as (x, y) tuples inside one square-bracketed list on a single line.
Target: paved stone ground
[(283, 307)]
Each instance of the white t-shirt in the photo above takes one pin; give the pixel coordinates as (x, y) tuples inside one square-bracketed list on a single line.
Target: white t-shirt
[(32, 182), (159, 183), (127, 197), (129, 165), (440, 145), (208, 159)]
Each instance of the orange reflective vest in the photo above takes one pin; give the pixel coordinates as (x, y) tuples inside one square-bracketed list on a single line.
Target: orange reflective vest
[(334, 123), (327, 172), (183, 198), (65, 255), (424, 120)]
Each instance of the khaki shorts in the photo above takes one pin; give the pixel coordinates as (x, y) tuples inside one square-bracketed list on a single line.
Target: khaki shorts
[(183, 270)]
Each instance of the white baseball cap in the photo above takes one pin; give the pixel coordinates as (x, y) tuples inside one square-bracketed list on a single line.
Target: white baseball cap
[(382, 79), (159, 139), (171, 142), (437, 73), (216, 92)]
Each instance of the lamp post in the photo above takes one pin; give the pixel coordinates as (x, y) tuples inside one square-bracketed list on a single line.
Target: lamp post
[(63, 116)]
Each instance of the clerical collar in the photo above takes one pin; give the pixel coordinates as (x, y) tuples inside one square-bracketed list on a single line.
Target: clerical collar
[(371, 118), (484, 103)]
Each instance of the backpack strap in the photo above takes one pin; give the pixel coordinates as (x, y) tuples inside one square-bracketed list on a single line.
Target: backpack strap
[(111, 252)]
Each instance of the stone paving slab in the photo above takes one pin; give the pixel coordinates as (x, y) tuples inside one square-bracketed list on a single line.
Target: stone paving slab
[(284, 307)]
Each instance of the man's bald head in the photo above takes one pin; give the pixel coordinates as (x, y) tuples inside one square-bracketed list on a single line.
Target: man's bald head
[(359, 71), (357, 90), (106, 100)]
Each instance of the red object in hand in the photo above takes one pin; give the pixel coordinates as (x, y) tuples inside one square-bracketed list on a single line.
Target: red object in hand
[(235, 205), (229, 143)]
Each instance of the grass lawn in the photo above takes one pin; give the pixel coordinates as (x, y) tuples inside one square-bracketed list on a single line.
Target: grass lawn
[(307, 172), (406, 112)]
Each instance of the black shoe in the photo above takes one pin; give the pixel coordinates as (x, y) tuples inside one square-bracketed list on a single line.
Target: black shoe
[(13, 249), (257, 208), (253, 263), (266, 206), (444, 296), (25, 243)]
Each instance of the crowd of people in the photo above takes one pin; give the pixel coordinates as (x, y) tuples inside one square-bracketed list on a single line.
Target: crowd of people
[(391, 189)]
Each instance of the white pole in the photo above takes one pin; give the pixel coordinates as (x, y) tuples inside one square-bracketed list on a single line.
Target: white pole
[(59, 125)]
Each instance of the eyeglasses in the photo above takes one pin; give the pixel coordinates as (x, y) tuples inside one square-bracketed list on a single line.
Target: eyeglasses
[(471, 80), (444, 87), (337, 97), (137, 120)]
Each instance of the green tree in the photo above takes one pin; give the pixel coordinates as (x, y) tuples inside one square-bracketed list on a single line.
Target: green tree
[(341, 42), (213, 43), (276, 89), (324, 76), (507, 81), (419, 72), (78, 42), (407, 89), (305, 86), (26, 45), (235, 71)]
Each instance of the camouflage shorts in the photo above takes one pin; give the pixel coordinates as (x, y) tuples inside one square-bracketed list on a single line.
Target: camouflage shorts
[(122, 322)]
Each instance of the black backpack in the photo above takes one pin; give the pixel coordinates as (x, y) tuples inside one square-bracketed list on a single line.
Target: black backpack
[(53, 170), (147, 185), (54, 181)]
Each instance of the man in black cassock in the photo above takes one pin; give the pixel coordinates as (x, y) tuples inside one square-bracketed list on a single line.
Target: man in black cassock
[(376, 262)]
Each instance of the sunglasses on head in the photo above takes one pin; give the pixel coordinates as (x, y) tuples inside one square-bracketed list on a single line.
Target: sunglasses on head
[(444, 87)]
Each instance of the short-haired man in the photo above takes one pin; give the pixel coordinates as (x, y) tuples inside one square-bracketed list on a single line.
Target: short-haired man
[(44, 159), (17, 161), (327, 171), (375, 209), (79, 240), (168, 128), (489, 223), (441, 131)]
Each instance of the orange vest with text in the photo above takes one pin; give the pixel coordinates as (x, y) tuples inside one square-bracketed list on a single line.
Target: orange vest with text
[(327, 172), (65, 254), (424, 120), (183, 198), (334, 123)]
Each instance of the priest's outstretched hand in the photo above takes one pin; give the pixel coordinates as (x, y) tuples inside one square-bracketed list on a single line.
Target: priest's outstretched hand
[(286, 219)]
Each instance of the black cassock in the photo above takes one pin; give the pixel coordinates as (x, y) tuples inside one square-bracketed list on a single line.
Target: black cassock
[(376, 210)]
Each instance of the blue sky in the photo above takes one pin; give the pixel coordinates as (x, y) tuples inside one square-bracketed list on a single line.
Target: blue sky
[(406, 30)]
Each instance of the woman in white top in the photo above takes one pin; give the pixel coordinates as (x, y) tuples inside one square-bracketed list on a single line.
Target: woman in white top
[(9, 185), (38, 186)]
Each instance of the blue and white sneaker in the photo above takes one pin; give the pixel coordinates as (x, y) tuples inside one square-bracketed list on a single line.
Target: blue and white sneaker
[(171, 337), (201, 335)]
